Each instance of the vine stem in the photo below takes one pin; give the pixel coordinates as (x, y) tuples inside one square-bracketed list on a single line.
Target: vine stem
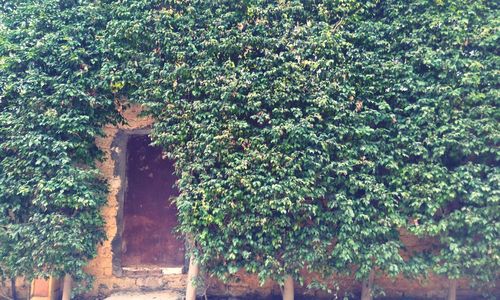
[(367, 287), (288, 290), (193, 272)]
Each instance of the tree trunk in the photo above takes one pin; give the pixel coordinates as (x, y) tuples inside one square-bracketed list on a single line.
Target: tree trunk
[(367, 286), (452, 291), (13, 288), (28, 294), (288, 292), (193, 272), (67, 287)]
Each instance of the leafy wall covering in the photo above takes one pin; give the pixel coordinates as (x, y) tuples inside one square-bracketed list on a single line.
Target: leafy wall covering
[(307, 134)]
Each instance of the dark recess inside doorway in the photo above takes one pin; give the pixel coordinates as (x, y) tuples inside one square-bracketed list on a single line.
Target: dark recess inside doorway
[(149, 217)]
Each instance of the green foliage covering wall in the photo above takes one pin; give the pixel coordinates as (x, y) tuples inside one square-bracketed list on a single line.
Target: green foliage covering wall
[(435, 65), (307, 133), (276, 158), (52, 106)]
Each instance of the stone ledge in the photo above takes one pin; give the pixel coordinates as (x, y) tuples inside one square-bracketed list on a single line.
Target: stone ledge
[(150, 271)]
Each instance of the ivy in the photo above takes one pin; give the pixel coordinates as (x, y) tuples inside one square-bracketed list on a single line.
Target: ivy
[(307, 134), (53, 104), (434, 65)]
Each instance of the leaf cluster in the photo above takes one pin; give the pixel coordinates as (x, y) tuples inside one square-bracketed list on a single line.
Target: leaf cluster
[(310, 134), (307, 134), (53, 104)]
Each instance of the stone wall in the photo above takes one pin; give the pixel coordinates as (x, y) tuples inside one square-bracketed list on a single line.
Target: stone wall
[(110, 277)]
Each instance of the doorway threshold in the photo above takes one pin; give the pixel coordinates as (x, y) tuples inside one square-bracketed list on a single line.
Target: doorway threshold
[(143, 271)]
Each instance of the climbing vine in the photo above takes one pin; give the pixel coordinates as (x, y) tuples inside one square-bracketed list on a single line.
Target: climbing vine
[(435, 66), (53, 104), (307, 134)]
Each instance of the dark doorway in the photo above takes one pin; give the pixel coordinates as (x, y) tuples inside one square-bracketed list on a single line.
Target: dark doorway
[(149, 216)]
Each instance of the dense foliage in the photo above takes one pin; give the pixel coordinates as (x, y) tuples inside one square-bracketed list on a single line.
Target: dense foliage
[(275, 157), (307, 134), (435, 67), (52, 106)]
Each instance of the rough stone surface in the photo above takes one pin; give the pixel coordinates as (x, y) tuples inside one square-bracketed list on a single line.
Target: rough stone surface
[(150, 282), (161, 295), (109, 277)]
